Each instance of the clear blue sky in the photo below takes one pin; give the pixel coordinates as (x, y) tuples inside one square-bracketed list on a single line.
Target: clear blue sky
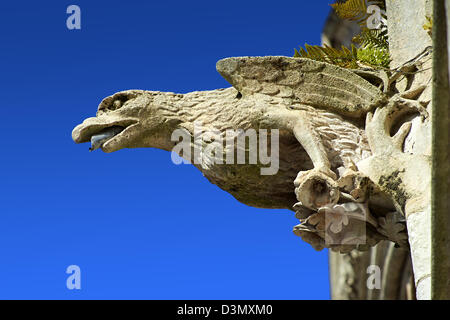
[(138, 226)]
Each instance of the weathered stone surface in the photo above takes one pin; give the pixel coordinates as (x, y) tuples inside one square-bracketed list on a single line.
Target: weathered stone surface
[(311, 137), (421, 242), (322, 120), (348, 270), (407, 37), (347, 145)]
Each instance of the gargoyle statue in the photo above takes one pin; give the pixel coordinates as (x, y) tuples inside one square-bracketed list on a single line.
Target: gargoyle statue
[(319, 111)]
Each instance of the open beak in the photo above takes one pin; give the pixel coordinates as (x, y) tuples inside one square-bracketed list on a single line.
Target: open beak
[(108, 134)]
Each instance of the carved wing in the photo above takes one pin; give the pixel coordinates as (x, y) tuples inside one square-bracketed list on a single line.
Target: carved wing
[(306, 81)]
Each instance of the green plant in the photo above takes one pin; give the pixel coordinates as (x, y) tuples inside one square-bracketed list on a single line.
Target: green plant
[(428, 26), (369, 48), (343, 57)]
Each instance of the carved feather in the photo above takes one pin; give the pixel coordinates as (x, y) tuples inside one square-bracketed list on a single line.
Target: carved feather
[(305, 81)]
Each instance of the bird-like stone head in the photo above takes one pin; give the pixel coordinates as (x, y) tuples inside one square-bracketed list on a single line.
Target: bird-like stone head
[(127, 119)]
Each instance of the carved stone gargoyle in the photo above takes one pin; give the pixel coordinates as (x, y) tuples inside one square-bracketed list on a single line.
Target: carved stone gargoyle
[(320, 113)]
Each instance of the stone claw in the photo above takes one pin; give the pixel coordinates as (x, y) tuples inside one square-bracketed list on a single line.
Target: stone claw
[(302, 212), (315, 189), (399, 138), (354, 185), (380, 123)]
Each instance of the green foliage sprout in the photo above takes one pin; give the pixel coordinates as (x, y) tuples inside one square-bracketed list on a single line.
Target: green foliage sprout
[(369, 48)]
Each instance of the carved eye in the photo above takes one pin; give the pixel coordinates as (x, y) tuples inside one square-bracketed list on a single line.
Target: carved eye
[(116, 104), (117, 101)]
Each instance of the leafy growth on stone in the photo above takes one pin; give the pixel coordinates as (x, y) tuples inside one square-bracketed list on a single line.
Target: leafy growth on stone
[(428, 26), (374, 56), (354, 10), (343, 57), (370, 47)]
